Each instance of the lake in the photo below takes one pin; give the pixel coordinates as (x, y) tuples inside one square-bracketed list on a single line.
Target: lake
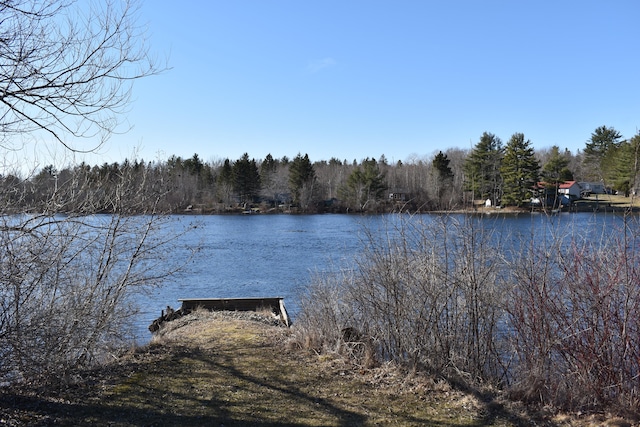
[(276, 255), (254, 255)]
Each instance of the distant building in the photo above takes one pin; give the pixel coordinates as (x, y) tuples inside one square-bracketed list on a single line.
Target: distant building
[(397, 197), (571, 189), (592, 188), (553, 194)]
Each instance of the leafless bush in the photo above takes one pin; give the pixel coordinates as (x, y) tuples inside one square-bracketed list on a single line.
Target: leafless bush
[(575, 322), (327, 321), (424, 294), (67, 280), (433, 292), (325, 313), (532, 331), (554, 320), (66, 274)]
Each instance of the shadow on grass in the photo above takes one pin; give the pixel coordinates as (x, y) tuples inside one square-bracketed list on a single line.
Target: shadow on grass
[(238, 397), (494, 412), (150, 403), (293, 398), (16, 410), (234, 383)]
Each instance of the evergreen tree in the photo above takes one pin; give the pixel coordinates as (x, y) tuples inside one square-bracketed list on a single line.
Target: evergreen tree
[(482, 168), (301, 179), (365, 184), (272, 179), (268, 166), (226, 174), (194, 165), (335, 162), (599, 151), (202, 174), (443, 177), (556, 170), (175, 164), (519, 170), (622, 165), (225, 182), (246, 179), (441, 165)]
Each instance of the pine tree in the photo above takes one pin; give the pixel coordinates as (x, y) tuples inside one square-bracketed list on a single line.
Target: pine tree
[(225, 177), (622, 165), (519, 170), (599, 149), (441, 165), (365, 184), (269, 165), (194, 165), (301, 179), (482, 168), (556, 170), (246, 179), (443, 177)]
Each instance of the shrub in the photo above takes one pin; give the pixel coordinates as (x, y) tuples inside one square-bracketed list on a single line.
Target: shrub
[(420, 294), (553, 321)]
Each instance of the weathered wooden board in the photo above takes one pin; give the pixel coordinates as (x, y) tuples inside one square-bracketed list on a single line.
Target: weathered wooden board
[(274, 304)]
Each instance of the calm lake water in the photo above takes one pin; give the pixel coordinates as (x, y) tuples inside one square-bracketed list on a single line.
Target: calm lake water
[(276, 255)]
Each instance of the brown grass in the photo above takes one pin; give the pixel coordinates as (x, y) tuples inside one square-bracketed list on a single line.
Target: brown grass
[(215, 371)]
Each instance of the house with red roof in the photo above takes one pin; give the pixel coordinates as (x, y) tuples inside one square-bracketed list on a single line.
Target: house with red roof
[(571, 189), (551, 195)]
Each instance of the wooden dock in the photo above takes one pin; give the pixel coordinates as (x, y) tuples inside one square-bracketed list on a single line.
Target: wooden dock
[(273, 304)]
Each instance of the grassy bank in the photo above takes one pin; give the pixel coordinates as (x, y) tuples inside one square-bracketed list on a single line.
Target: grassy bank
[(216, 370), (597, 202)]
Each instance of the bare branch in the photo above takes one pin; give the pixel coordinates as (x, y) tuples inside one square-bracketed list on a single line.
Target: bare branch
[(67, 68)]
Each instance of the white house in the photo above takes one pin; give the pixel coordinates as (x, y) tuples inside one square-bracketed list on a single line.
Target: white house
[(570, 189)]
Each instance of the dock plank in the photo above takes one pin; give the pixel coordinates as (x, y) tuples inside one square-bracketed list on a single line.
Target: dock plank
[(274, 304)]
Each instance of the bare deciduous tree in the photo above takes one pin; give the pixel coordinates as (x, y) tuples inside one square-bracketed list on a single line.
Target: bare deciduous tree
[(68, 281), (67, 276), (66, 68)]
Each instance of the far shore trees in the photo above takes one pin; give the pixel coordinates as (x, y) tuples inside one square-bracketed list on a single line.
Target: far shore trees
[(598, 151), (246, 178), (519, 170), (482, 169), (445, 180), (302, 178), (365, 185)]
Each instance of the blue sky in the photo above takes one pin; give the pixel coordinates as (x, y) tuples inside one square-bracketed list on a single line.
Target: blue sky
[(352, 79)]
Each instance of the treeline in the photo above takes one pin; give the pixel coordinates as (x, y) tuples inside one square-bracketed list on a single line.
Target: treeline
[(450, 179)]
